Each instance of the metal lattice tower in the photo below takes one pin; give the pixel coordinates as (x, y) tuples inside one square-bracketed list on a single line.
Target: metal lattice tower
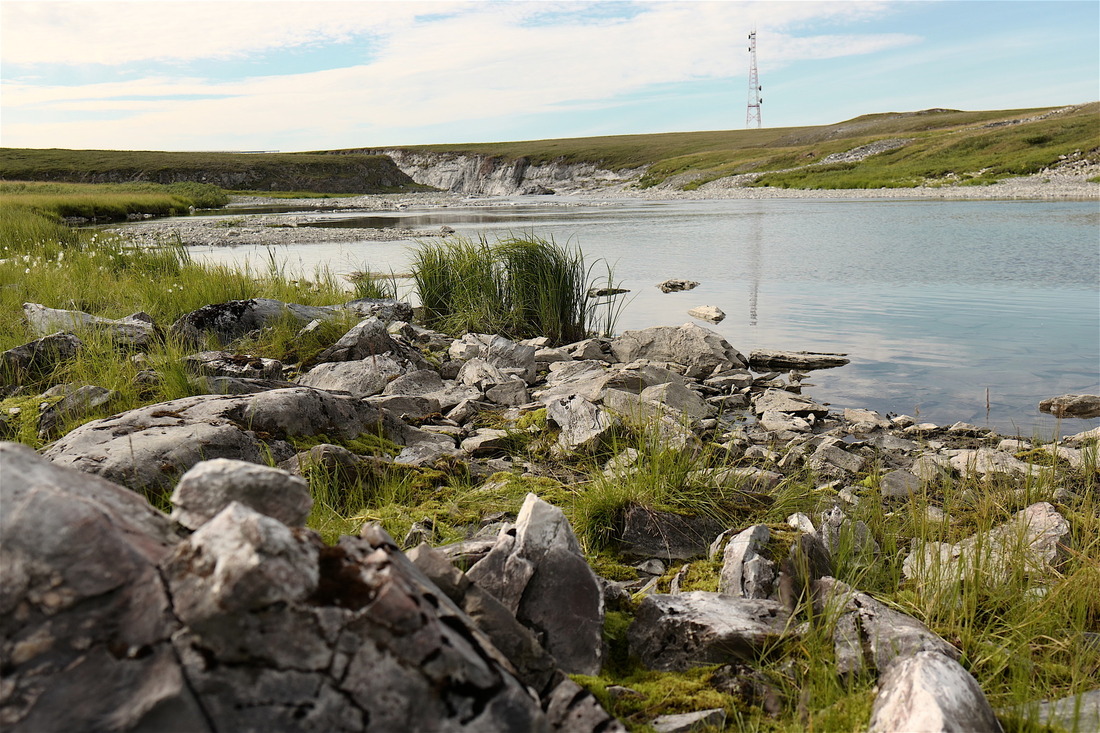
[(753, 111)]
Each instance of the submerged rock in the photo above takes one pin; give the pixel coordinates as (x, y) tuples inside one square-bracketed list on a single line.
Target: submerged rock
[(1072, 405)]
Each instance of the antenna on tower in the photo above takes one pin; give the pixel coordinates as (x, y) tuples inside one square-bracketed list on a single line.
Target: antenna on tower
[(753, 111)]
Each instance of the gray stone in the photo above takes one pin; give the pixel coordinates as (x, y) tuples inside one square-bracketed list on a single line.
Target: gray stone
[(510, 392), (864, 421), (150, 447), (365, 339), (783, 422), (77, 404), (711, 313), (899, 485), (486, 441), (38, 356), (210, 486), (589, 379), (667, 536), (499, 352), (870, 632), (839, 534), (702, 352), (85, 616), (478, 372), (361, 378), (265, 627), (676, 285), (700, 628), (228, 364), (583, 424), (539, 573), (1072, 405), (986, 461), (235, 318), (405, 407), (239, 561), (570, 708), (834, 461), (929, 468), (1085, 436), (133, 331), (1029, 541), (585, 350), (714, 719), (384, 309), (780, 400), (746, 573), (236, 385), (680, 398), (1074, 712), (766, 359), (930, 692)]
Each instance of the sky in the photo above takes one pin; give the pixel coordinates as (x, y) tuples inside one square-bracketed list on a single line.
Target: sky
[(318, 75)]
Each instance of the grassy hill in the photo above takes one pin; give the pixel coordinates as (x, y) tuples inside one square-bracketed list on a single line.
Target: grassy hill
[(931, 146), (944, 145), (233, 171)]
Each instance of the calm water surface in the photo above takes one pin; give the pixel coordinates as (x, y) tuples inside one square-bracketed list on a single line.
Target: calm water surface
[(935, 302)]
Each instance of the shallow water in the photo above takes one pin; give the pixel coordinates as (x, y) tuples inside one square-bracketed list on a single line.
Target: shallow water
[(936, 302)]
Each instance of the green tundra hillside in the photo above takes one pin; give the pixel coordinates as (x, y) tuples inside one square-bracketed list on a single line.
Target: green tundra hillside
[(233, 171)]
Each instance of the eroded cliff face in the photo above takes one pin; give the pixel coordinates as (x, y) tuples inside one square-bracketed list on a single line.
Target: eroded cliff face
[(494, 176)]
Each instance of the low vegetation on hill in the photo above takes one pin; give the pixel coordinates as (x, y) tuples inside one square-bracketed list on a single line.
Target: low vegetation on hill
[(233, 171), (941, 145)]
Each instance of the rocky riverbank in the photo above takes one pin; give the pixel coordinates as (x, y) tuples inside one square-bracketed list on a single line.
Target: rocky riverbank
[(1069, 183), (658, 497)]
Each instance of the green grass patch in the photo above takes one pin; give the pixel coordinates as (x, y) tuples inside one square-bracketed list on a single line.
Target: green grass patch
[(518, 287)]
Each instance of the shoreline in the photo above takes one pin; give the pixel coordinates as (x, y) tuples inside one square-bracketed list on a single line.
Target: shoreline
[(295, 228)]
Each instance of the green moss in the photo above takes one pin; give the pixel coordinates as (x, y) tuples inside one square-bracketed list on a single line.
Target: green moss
[(364, 444), (19, 418), (660, 693), (533, 419), (608, 567)]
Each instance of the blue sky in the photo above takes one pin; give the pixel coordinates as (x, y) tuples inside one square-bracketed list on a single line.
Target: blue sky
[(262, 75)]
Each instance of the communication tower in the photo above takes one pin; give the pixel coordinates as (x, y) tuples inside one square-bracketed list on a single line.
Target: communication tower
[(753, 112)]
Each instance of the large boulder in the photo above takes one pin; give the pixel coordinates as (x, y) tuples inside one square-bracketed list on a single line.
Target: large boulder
[(538, 572), (360, 378), (233, 319), (700, 350), (85, 619), (150, 447), (870, 633), (135, 330), (677, 632), (931, 692), (210, 486), (1072, 405), (365, 339), (110, 622), (1030, 542), (38, 356)]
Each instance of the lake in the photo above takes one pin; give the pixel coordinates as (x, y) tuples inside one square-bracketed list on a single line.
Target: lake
[(937, 303)]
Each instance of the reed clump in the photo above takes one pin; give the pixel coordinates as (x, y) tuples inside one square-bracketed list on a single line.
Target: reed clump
[(519, 287)]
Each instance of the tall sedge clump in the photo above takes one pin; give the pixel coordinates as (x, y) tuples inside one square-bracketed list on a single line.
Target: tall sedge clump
[(517, 286)]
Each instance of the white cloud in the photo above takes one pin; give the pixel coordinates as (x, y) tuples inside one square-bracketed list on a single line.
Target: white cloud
[(476, 61)]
